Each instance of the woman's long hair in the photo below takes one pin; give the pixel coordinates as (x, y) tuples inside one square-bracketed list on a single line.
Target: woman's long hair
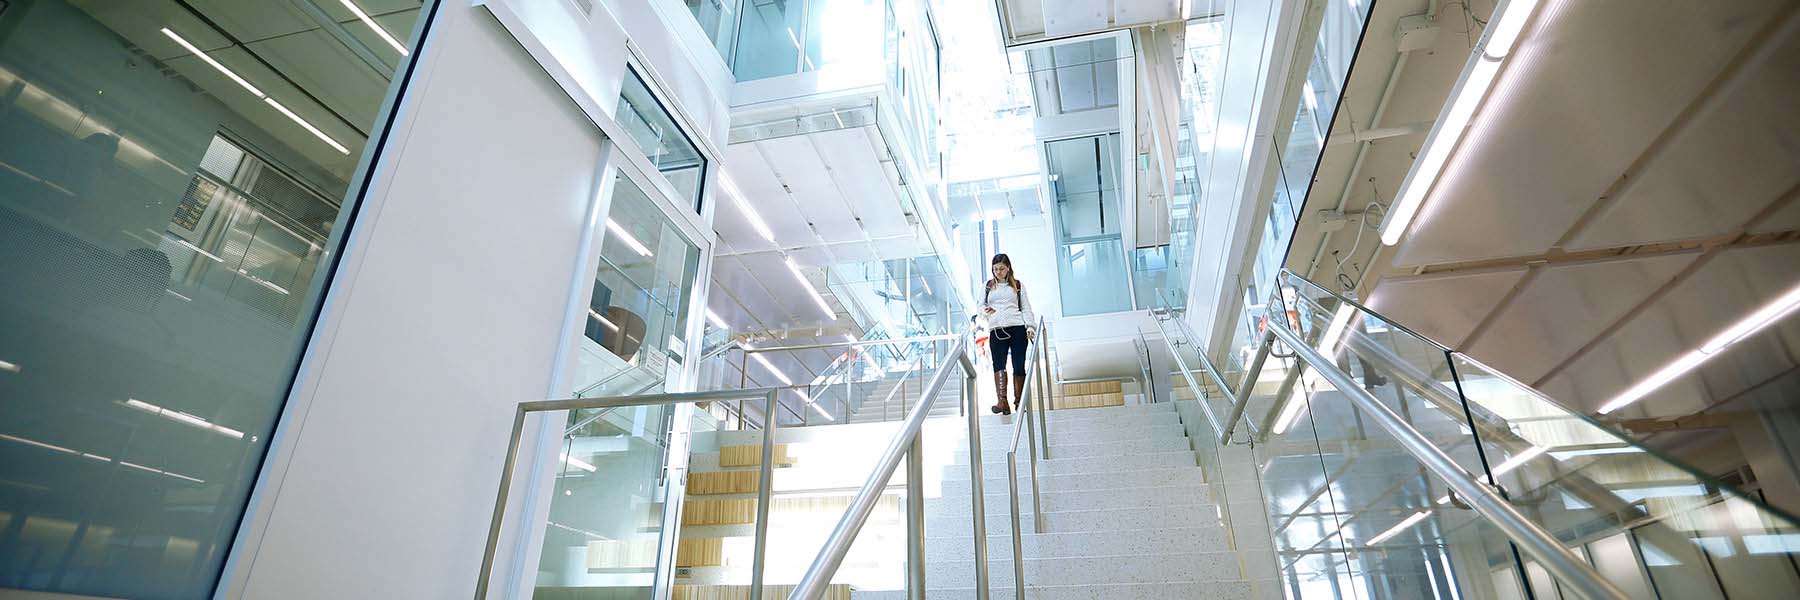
[(1012, 276)]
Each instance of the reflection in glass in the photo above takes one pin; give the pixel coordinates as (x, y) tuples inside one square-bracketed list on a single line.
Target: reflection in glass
[(173, 177), (718, 18), (662, 140), (637, 315), (606, 516), (1084, 178)]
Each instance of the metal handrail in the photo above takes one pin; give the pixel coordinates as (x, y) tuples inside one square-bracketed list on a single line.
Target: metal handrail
[(1563, 564), (1033, 397), (905, 444), (1193, 384), (665, 557), (1205, 361)]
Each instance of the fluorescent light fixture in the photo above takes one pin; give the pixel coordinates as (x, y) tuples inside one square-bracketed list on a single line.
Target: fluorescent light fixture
[(183, 418), (1504, 28), (713, 317), (307, 126), (178, 295), (632, 242), (385, 36), (578, 463), (603, 321), (810, 290), (9, 367), (1756, 321), (263, 282), (764, 361), (743, 205), (31, 442), (1399, 527), (215, 64)]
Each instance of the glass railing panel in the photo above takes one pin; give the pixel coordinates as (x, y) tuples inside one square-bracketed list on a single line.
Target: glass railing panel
[(1586, 482), (606, 514)]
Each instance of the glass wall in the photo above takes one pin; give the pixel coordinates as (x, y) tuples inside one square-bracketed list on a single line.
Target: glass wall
[(662, 140), (1084, 183), (174, 180), (637, 315), (784, 37), (718, 18)]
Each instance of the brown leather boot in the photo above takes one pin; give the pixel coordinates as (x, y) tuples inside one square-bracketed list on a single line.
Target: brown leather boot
[(1018, 390), (1000, 394)]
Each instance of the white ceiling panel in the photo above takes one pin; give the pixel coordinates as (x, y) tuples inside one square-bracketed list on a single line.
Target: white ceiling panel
[(1564, 307), (1580, 100), (1069, 17), (1724, 167), (863, 182), (1725, 289), (1786, 218), (756, 179), (1443, 308), (815, 194)]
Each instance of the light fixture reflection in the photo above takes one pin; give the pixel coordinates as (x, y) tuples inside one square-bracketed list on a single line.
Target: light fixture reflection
[(382, 33), (603, 320), (9, 367), (183, 418), (1399, 527), (307, 126), (743, 205), (204, 57), (625, 236), (1752, 323)]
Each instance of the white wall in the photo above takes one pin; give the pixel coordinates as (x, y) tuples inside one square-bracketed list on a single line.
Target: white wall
[(1258, 47), (448, 311)]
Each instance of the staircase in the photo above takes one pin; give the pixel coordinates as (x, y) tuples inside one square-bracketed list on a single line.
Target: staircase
[(881, 405), (1128, 514)]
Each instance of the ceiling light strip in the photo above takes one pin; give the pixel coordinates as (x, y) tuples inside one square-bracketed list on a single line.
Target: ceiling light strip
[(810, 290), (307, 126), (215, 64), (1507, 23), (743, 205), (1769, 314), (379, 31)]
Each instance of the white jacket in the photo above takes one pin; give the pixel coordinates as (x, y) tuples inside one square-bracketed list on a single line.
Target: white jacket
[(1009, 307)]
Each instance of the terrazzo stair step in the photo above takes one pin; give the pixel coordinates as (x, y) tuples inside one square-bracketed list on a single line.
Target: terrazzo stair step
[(1070, 521), (1059, 466), (1174, 590), (1126, 421), (1102, 519), (996, 480), (1093, 570), (1125, 497), (1145, 542), (1084, 414), (1062, 450), (997, 440)]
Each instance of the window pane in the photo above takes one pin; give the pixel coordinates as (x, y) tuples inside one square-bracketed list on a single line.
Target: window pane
[(636, 316), (662, 141), (172, 183), (769, 39)]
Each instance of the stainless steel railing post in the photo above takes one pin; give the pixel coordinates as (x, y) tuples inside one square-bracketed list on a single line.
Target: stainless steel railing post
[(1018, 541), (975, 483), (765, 484), (915, 519)]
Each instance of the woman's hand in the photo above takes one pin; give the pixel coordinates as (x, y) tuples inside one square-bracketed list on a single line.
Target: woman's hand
[(1031, 333), (989, 309)]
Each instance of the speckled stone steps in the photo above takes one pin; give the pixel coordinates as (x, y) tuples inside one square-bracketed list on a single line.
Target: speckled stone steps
[(1092, 464), (1173, 590)]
